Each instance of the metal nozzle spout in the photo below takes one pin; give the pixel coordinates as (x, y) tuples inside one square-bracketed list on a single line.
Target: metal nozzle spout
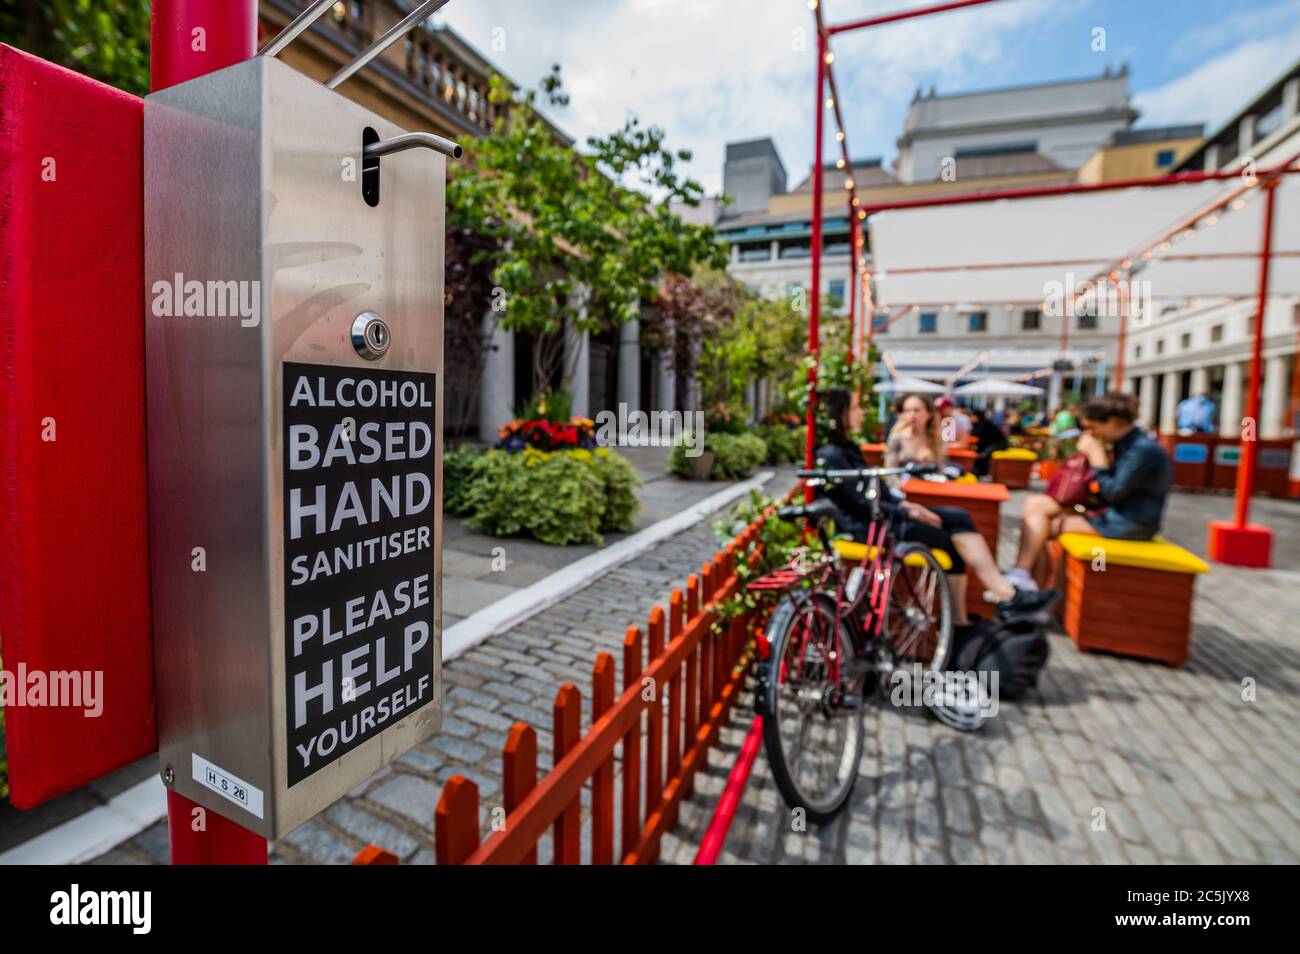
[(415, 140)]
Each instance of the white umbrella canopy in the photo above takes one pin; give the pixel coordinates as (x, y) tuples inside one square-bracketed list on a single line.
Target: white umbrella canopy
[(996, 387), (909, 385)]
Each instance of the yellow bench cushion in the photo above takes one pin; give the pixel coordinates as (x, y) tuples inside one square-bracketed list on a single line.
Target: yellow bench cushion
[(1157, 554), (1015, 453), (857, 552)]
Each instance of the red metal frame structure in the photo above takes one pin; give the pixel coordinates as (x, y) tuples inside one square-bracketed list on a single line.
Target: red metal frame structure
[(857, 273), (1238, 543)]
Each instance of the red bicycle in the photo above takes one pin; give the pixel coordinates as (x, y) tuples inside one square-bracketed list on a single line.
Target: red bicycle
[(847, 620)]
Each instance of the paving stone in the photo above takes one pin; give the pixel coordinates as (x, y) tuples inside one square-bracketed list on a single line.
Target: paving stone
[(407, 795), (321, 844), (370, 830)]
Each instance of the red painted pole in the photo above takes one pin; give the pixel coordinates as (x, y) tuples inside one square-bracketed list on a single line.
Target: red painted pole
[(1246, 472), (194, 37), (189, 39), (907, 15), (716, 834), (814, 300), (853, 284)]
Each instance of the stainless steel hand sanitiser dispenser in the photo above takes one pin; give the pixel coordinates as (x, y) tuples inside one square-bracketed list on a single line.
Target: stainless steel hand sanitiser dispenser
[(294, 297)]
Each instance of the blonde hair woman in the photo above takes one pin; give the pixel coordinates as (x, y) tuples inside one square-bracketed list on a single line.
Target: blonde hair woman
[(915, 436)]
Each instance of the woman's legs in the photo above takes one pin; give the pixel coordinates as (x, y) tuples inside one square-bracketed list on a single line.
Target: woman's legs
[(975, 552), (957, 586), (1035, 529)]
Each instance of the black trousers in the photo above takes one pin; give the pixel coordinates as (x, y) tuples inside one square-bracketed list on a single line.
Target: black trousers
[(955, 520)]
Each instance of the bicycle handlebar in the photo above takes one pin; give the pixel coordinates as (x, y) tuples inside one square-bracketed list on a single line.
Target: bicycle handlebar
[(865, 473)]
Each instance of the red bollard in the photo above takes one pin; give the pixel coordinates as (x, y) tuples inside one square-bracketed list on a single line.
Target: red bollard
[(218, 840)]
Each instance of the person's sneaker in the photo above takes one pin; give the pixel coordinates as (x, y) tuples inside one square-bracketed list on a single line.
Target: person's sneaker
[(1021, 579), (1025, 602)]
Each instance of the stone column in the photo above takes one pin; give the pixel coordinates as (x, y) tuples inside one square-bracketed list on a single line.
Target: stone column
[(1200, 381), (1169, 403), (497, 387), (577, 358), (666, 371), (1274, 400), (629, 364), (1147, 402), (1230, 412)]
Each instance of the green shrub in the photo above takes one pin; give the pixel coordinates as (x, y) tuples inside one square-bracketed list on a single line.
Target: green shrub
[(739, 455), (785, 445), (559, 498), (621, 483), (457, 472)]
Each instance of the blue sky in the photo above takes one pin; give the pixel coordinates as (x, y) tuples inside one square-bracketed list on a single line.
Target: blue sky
[(712, 71)]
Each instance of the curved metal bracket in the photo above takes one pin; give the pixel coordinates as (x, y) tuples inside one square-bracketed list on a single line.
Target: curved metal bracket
[(415, 140)]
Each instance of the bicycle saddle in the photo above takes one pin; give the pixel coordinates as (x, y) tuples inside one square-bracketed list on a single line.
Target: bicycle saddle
[(820, 509)]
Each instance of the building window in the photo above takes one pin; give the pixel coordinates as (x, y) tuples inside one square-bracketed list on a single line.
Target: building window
[(1160, 346), (929, 320), (1137, 352), (795, 249), (840, 246), (882, 324), (979, 321), (837, 290), (1031, 320), (755, 252), (1186, 341), (1164, 158), (1216, 333)]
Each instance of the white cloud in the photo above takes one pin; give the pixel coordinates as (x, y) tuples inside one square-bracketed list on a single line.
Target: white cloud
[(713, 71), (1218, 88)]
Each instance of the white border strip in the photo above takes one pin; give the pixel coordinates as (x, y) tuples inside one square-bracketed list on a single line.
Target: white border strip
[(546, 592), (103, 828)]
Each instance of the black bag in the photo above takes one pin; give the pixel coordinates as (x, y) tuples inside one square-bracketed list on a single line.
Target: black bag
[(1016, 649)]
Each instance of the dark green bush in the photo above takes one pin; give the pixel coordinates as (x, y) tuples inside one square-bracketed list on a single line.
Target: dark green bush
[(739, 455), (457, 471), (560, 498), (785, 445)]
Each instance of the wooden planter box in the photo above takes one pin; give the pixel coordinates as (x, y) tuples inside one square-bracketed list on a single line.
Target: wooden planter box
[(983, 502), (1012, 473), (1139, 604)]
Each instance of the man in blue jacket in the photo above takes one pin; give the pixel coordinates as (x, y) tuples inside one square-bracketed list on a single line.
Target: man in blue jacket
[(1132, 480)]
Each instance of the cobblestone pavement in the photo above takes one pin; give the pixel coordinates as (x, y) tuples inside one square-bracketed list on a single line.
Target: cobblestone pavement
[(1180, 767), (1173, 762), (513, 676)]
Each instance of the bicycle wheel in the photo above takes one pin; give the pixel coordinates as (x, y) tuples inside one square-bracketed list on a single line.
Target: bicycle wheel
[(916, 627), (813, 737)]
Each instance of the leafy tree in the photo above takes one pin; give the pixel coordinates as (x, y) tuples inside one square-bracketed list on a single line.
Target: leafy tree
[(104, 39), (575, 247)]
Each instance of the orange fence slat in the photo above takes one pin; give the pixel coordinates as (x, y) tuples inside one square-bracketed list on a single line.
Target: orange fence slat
[(654, 752), (632, 742), (455, 822), (519, 772), (568, 730), (602, 784), (674, 730), (374, 855)]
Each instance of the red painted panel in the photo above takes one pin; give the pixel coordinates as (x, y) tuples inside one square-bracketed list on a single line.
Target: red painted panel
[(74, 585)]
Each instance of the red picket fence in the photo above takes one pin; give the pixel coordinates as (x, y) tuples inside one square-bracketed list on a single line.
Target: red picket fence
[(671, 707)]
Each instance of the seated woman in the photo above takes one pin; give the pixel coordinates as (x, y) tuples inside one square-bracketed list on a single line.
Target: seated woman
[(943, 528), (1134, 485)]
